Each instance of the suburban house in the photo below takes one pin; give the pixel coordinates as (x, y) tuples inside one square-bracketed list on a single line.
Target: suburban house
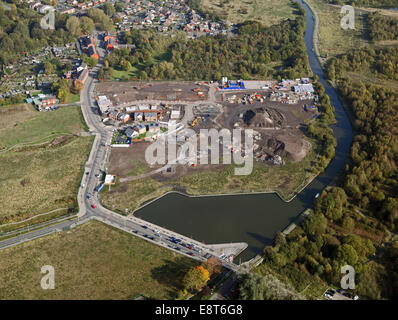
[(140, 128), (138, 116), (151, 116), (124, 117), (81, 79), (131, 133), (110, 41), (153, 127)]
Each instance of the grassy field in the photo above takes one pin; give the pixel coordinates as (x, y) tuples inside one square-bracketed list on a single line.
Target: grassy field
[(43, 170), (39, 179), (22, 124), (268, 12), (74, 97), (93, 261), (333, 40)]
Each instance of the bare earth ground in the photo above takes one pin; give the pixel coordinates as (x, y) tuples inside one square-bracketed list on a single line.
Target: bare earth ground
[(155, 90), (93, 261)]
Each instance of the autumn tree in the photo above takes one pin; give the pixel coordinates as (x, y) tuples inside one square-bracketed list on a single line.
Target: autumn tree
[(213, 265), (196, 278)]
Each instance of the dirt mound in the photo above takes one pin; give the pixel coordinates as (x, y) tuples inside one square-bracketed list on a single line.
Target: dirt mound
[(262, 118), (58, 141), (293, 147)]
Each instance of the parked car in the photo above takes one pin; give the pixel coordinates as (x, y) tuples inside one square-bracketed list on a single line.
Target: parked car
[(328, 296), (93, 206)]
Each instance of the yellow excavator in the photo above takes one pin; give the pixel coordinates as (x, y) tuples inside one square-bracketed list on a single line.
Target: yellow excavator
[(195, 122)]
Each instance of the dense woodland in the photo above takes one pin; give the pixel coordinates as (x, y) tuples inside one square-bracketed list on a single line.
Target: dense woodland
[(350, 222), (382, 27), (247, 55)]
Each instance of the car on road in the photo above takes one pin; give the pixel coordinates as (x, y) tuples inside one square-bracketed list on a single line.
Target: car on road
[(328, 296), (190, 253), (93, 206), (88, 196), (145, 227)]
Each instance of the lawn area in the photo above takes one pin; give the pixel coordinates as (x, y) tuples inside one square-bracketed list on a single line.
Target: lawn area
[(93, 261), (44, 173), (333, 40), (74, 97), (23, 124), (269, 12), (124, 75)]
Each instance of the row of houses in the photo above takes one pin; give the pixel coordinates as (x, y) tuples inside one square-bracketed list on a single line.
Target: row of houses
[(110, 41), (86, 5), (87, 44), (43, 102), (79, 75), (136, 116)]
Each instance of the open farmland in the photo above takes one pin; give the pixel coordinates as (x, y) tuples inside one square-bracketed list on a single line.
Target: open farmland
[(269, 12), (93, 261), (42, 160)]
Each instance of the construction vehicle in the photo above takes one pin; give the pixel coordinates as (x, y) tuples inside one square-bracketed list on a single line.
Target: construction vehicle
[(194, 122)]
